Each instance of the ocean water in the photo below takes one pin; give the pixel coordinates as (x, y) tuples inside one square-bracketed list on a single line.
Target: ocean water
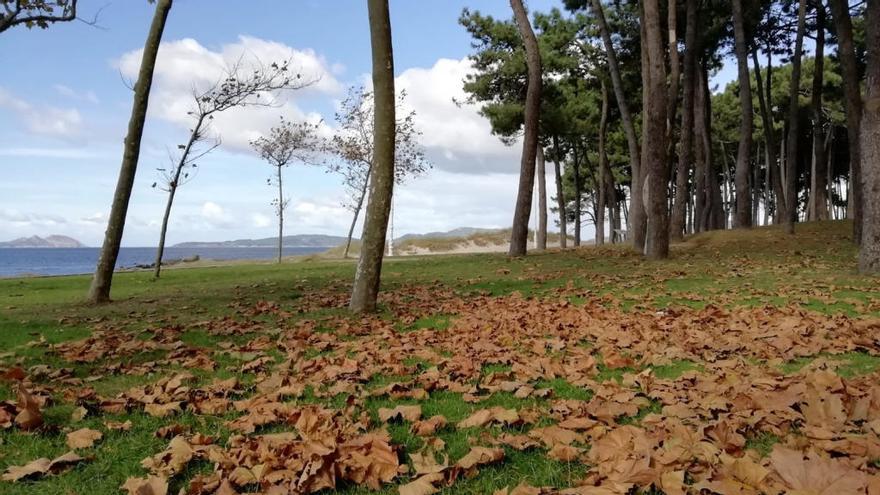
[(74, 261)]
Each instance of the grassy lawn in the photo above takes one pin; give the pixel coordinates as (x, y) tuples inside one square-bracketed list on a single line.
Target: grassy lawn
[(593, 334)]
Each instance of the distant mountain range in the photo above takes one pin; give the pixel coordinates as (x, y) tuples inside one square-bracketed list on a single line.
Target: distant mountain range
[(459, 232), (302, 240), (52, 241)]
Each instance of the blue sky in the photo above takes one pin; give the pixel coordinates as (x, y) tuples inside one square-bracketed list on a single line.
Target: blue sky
[(64, 109)]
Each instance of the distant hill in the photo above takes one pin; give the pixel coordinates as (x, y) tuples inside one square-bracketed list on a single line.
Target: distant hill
[(52, 241), (459, 232), (301, 240)]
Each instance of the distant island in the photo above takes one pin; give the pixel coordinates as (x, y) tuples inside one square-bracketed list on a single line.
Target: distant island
[(290, 241), (52, 241), (459, 232)]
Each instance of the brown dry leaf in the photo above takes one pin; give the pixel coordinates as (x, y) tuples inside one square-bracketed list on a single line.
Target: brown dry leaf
[(29, 416), (812, 474), (426, 463), (151, 485), (79, 414), (479, 456), (83, 438), (672, 483), (117, 426), (38, 467), (162, 410), (483, 417), (553, 435), (565, 453), (41, 467), (408, 413), (423, 485), (428, 427)]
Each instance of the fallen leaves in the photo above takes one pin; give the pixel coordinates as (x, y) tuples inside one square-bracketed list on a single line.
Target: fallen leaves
[(42, 467), (83, 438), (151, 485)]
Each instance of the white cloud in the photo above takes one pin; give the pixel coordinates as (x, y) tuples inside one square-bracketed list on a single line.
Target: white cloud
[(261, 221), (30, 219), (65, 153), (69, 92), (44, 119), (96, 218), (456, 137), (186, 64)]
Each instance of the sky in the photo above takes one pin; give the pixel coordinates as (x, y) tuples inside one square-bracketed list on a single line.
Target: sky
[(65, 103)]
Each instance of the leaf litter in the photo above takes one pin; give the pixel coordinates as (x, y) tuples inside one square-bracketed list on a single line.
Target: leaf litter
[(635, 431)]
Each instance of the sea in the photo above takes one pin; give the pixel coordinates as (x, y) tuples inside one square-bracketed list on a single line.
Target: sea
[(19, 262)]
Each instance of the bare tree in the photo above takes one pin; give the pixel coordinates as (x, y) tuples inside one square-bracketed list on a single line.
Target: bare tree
[(353, 146), (99, 292), (239, 87), (286, 143), (383, 170), (36, 13), (520, 231)]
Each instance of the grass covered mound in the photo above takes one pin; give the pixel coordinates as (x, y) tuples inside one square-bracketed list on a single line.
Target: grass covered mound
[(747, 363)]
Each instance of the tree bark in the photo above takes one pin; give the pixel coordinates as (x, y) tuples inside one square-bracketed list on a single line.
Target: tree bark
[(541, 234), (560, 194), (686, 151), (280, 216), (369, 268), (576, 169), (702, 200), (769, 134), (869, 254), (743, 215), (637, 211), (818, 187), (654, 136), (601, 187), (520, 231), (791, 153), (99, 291), (853, 104), (357, 212)]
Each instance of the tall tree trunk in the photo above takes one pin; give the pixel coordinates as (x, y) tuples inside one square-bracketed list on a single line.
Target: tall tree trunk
[(637, 211), (869, 254), (818, 189), (686, 151), (357, 211), (743, 216), (769, 134), (577, 193), (560, 194), (541, 234), (520, 231), (172, 190), (601, 187), (280, 216), (702, 202), (674, 76), (654, 162), (99, 291), (791, 154), (853, 100), (369, 267), (160, 251)]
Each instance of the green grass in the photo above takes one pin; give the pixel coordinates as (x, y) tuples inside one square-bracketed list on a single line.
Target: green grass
[(726, 269)]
